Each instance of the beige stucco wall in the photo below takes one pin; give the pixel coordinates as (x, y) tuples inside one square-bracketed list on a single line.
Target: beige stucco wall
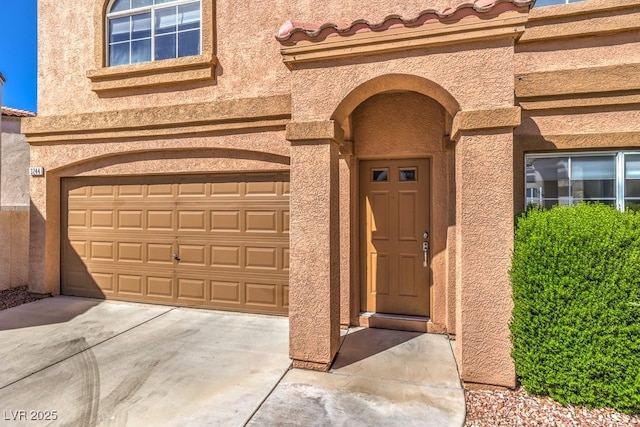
[(576, 71), (590, 120), (250, 64), (248, 56), (484, 225), (14, 156), (592, 51), (14, 251), (349, 295), (472, 74), (14, 204), (314, 271), (350, 10)]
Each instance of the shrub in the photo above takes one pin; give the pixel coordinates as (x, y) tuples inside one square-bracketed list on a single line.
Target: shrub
[(576, 319)]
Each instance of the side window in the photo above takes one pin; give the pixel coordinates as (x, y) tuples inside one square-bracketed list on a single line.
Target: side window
[(632, 181), (152, 30), (570, 178)]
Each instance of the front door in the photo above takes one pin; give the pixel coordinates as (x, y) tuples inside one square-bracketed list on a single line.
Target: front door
[(394, 217)]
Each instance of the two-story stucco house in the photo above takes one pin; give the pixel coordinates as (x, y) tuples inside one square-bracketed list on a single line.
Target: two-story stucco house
[(339, 162)]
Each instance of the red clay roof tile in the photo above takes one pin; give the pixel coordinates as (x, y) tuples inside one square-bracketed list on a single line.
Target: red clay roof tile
[(292, 32), (14, 112)]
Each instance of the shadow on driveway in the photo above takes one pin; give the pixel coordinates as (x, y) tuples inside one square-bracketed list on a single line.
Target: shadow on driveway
[(47, 311)]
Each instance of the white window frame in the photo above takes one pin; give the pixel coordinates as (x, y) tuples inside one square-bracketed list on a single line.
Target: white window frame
[(140, 10), (619, 162)]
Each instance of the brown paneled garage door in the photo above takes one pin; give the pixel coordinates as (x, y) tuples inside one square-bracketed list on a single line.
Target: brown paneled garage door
[(218, 241)]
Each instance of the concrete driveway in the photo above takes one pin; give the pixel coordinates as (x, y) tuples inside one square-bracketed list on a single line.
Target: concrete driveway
[(81, 362), (87, 362)]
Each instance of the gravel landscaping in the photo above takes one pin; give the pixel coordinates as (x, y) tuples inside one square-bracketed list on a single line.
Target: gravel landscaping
[(519, 408), (16, 296)]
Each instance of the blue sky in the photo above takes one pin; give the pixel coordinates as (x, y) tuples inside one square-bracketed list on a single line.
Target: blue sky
[(18, 57)]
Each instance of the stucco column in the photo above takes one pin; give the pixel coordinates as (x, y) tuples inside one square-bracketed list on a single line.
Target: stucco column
[(347, 201), (314, 275), (44, 238), (484, 242)]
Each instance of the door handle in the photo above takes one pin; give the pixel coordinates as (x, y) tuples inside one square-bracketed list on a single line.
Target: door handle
[(176, 257), (425, 251)]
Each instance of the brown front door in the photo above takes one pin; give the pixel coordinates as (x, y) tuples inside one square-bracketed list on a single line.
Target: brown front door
[(394, 215)]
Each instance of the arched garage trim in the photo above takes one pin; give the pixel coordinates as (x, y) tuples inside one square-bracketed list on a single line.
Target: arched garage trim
[(193, 160)]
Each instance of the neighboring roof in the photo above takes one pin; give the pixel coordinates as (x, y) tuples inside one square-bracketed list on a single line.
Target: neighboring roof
[(292, 32), (14, 112)]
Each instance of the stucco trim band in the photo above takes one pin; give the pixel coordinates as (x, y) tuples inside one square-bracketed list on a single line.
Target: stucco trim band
[(218, 116), (611, 78), (509, 24), (158, 73), (578, 141), (509, 117), (310, 132), (593, 17), (570, 101)]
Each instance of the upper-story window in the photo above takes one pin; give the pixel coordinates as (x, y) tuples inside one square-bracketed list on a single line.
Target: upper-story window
[(151, 30)]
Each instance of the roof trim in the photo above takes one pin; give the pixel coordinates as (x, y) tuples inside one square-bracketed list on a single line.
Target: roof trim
[(505, 21), (14, 112), (292, 32)]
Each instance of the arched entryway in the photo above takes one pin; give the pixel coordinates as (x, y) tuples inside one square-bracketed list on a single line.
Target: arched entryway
[(402, 170), (400, 123), (402, 199), (397, 118)]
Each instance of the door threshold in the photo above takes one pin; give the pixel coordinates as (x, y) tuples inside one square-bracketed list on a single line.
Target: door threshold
[(399, 322)]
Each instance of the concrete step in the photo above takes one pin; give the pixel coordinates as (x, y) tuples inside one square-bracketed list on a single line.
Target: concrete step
[(398, 322)]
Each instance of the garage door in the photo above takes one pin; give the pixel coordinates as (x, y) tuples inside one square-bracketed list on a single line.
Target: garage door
[(218, 241)]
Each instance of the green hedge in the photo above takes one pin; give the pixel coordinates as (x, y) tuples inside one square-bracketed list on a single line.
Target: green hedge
[(576, 317)]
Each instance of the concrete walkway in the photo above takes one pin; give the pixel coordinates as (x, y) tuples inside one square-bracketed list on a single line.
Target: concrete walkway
[(84, 362), (379, 378)]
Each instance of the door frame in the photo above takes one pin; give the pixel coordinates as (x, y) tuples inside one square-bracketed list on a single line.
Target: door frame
[(360, 284)]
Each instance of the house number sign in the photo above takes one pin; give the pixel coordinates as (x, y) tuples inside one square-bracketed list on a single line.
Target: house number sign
[(36, 171)]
